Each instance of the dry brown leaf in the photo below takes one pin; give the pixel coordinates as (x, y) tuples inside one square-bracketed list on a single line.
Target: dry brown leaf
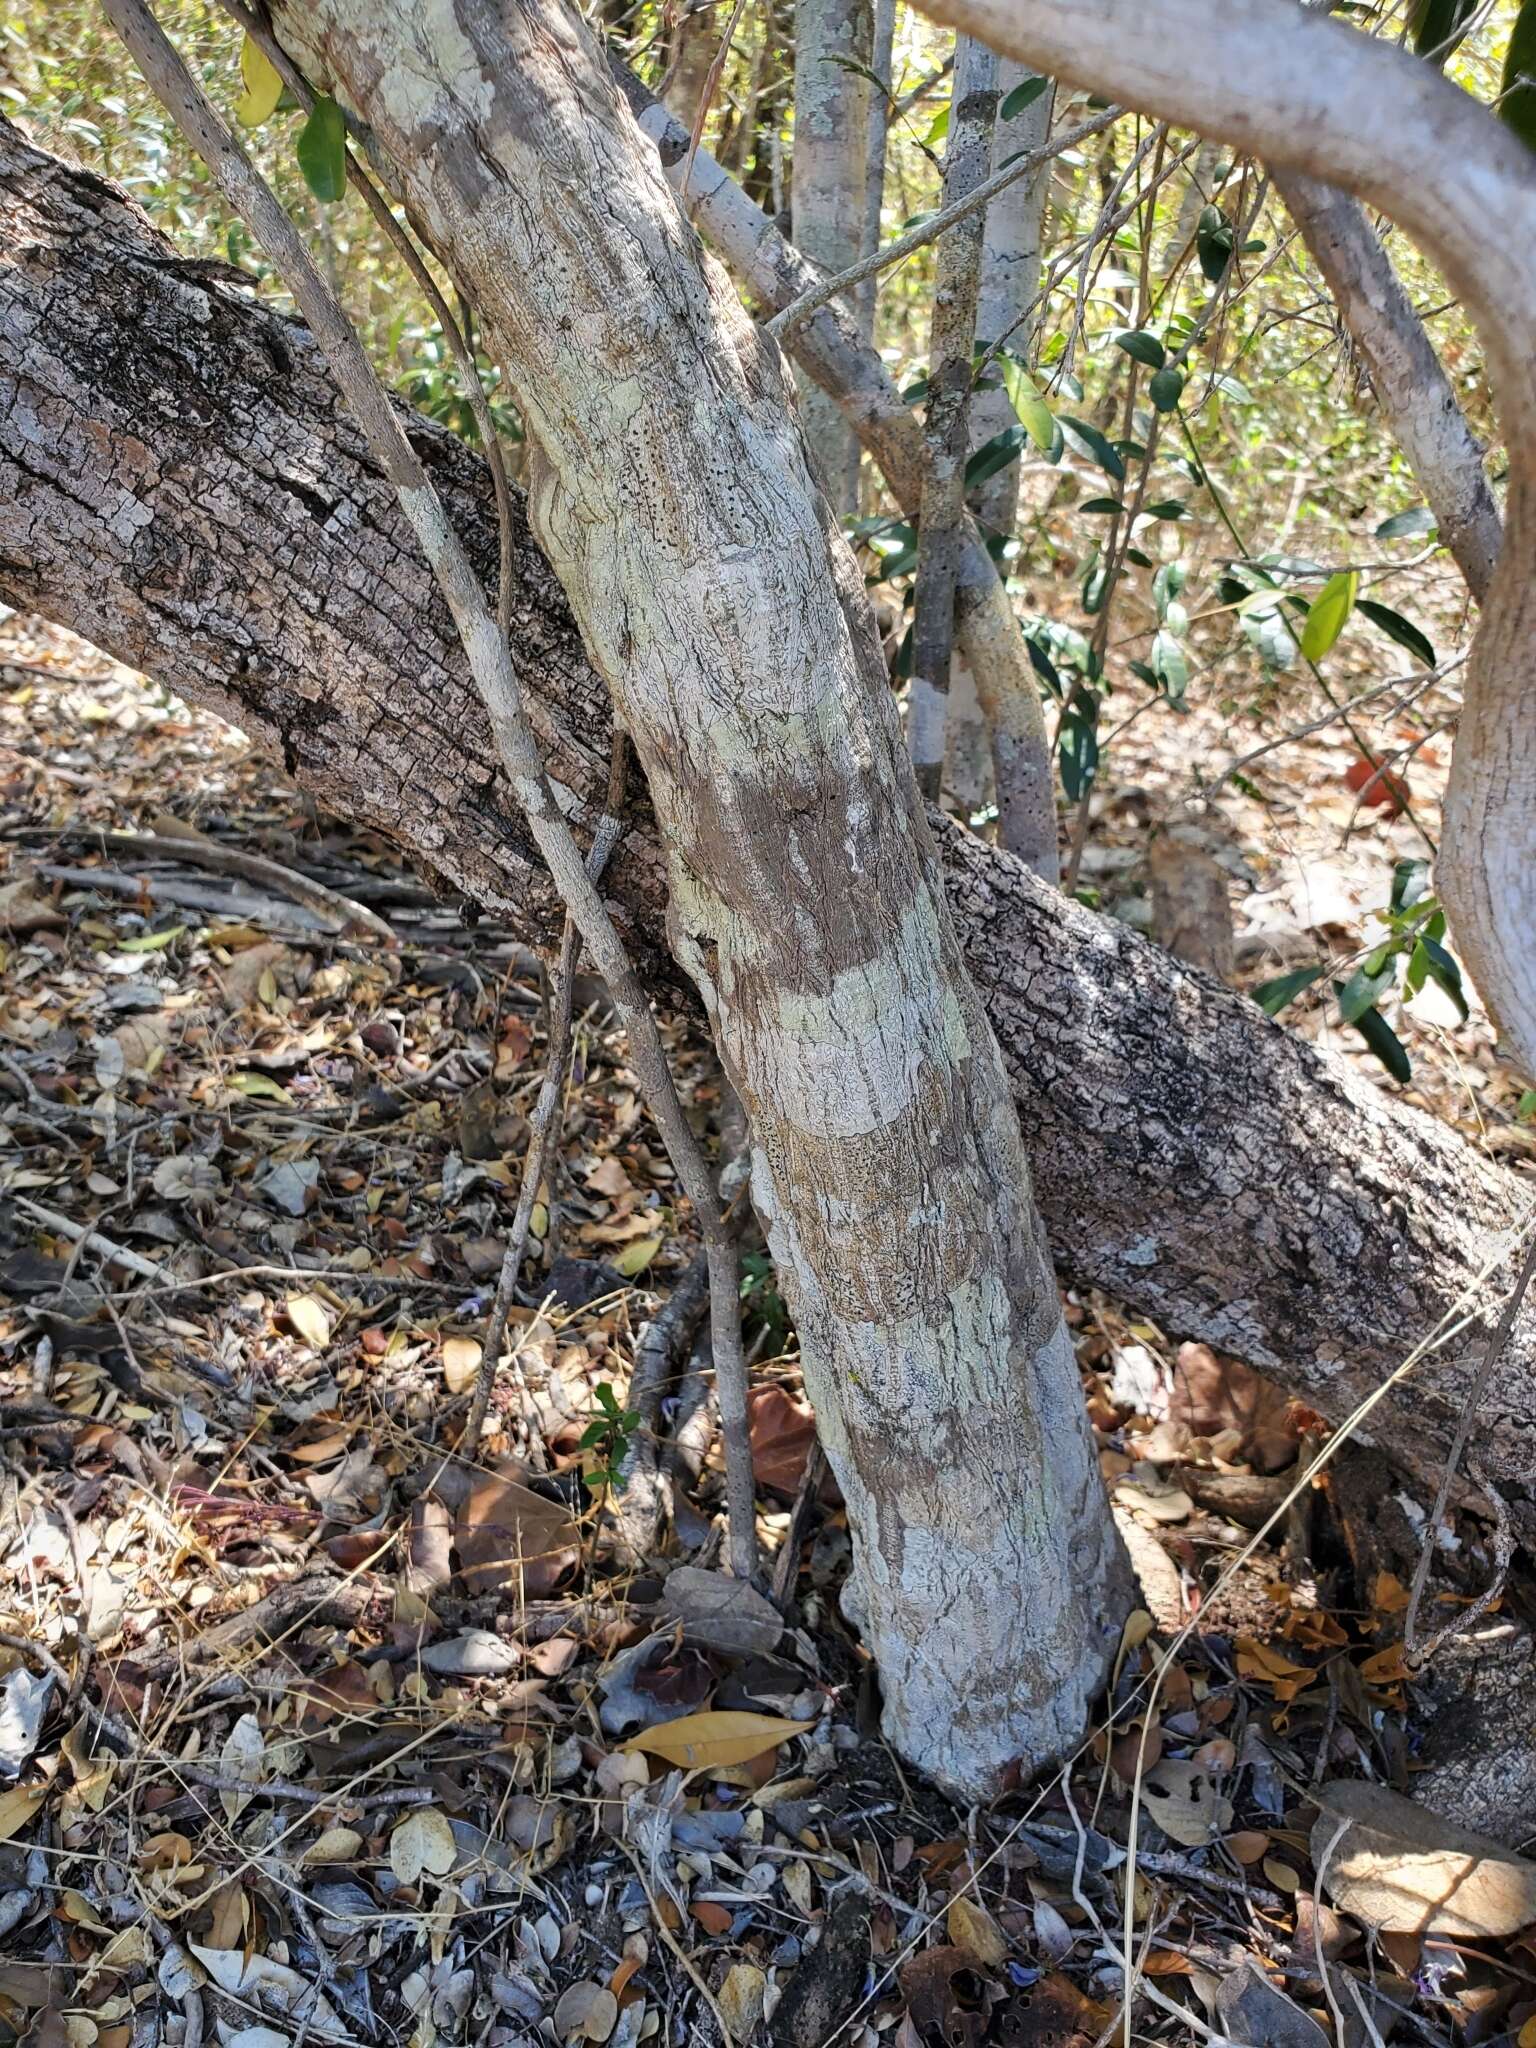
[(422, 1842), (711, 1916), (507, 1535), (586, 2011), (972, 1928), (716, 1738), (311, 1318), (1212, 1394), (1184, 1801), (461, 1361)]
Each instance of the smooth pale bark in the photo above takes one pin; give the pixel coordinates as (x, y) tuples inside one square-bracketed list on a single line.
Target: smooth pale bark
[(718, 601), (1309, 94), (880, 63), (829, 347), (1010, 285), (180, 484), (951, 345), (827, 187), (1411, 386)]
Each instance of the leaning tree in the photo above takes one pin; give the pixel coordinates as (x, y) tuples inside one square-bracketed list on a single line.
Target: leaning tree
[(884, 993)]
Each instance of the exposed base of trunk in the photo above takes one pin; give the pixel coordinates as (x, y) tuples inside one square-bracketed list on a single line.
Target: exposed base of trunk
[(178, 485)]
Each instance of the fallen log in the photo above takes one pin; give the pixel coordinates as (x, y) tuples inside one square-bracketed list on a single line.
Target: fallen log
[(179, 484)]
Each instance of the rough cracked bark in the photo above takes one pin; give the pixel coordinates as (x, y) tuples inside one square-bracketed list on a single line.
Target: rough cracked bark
[(1309, 94), (180, 484), (834, 46), (805, 902)]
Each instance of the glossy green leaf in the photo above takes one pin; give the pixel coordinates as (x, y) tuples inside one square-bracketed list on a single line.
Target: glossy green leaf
[(1144, 347), (1403, 525), (995, 455), (1093, 445), (938, 128), (1363, 989), (1434, 962), (1328, 614), (1214, 243), (1274, 996), (1024, 94), (1106, 505), (1079, 755), (1385, 1043), (1397, 628), (1166, 389), (323, 151), (1410, 883)]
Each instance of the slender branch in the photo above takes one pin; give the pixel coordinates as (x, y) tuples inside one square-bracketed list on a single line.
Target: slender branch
[(783, 325), (495, 678), (544, 1124)]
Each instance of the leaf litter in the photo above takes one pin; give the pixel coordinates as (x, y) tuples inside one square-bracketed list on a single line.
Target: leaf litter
[(310, 1732)]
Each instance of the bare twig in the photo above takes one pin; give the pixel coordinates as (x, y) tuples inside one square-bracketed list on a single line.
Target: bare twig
[(92, 1240), (795, 315)]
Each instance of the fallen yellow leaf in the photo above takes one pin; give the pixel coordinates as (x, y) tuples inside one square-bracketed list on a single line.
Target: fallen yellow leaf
[(636, 1257), (716, 1738), (18, 1806)]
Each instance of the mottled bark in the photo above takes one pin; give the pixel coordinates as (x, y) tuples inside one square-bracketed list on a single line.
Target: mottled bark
[(1010, 285), (720, 604), (179, 484), (829, 347), (1308, 94), (967, 162), (827, 194)]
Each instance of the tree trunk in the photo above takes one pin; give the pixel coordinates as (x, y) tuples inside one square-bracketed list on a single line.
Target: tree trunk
[(827, 194), (719, 602), (178, 485), (1309, 94), (831, 349), (1010, 284)]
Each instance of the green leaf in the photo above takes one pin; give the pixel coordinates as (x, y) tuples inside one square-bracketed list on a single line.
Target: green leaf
[(1441, 968), (1167, 508), (1329, 611), (1024, 94), (1525, 1108), (1166, 389), (260, 1084), (1402, 524), (1214, 243), (1100, 505), (152, 942), (263, 86), (1145, 347), (1171, 664), (1086, 438), (1363, 989), (1024, 396), (1410, 883), (323, 151), (1385, 1043), (1079, 754), (1397, 628), (1274, 996), (937, 130), (995, 455), (1517, 104)]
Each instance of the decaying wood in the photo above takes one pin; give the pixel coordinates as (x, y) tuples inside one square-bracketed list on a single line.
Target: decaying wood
[(179, 484)]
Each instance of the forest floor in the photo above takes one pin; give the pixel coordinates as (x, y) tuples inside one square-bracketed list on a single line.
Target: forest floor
[(310, 1732)]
